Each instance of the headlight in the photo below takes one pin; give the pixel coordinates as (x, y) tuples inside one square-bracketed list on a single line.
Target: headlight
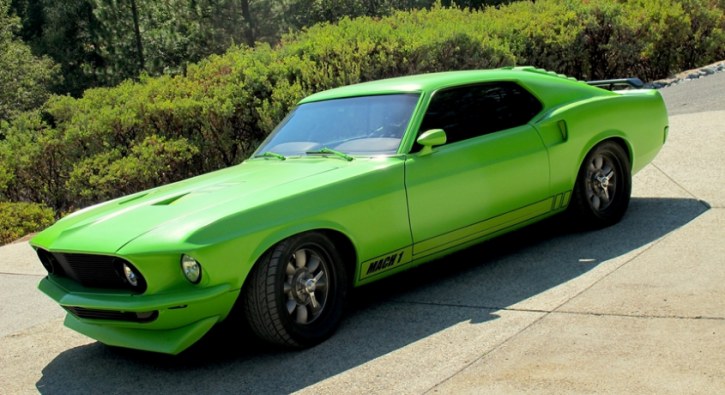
[(131, 276), (191, 269)]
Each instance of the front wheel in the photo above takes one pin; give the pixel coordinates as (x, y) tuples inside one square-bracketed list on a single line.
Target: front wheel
[(603, 186), (295, 293)]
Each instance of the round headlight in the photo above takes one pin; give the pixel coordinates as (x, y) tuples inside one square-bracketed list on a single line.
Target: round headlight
[(191, 269), (130, 275)]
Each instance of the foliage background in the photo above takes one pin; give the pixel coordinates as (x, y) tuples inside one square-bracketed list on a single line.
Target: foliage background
[(19, 219), (179, 118), (25, 80)]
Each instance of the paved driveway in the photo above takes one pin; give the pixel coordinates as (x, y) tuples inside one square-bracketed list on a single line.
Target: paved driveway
[(635, 308)]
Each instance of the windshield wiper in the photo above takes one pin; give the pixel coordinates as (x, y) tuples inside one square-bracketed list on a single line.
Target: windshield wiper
[(270, 154), (330, 151)]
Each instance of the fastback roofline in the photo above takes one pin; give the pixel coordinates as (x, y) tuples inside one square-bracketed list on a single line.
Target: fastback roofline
[(633, 82)]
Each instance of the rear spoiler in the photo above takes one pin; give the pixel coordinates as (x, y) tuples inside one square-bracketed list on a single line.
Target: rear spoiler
[(633, 82)]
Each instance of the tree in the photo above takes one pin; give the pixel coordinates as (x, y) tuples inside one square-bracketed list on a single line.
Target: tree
[(67, 32), (157, 37), (245, 21), (103, 42), (24, 78)]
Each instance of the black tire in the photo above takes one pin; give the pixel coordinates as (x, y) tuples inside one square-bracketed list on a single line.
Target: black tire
[(267, 293), (601, 198)]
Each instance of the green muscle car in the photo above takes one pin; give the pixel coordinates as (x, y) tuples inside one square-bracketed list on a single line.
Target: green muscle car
[(354, 185)]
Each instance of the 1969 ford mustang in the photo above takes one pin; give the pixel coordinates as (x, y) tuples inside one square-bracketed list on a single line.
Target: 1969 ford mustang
[(356, 184)]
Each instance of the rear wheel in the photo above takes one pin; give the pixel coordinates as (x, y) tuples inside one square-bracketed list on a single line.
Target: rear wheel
[(295, 293), (603, 186)]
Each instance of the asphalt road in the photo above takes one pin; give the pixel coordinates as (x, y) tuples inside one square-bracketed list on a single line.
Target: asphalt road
[(702, 95), (635, 308)]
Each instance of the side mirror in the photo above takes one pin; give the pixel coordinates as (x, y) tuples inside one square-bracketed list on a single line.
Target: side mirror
[(430, 138)]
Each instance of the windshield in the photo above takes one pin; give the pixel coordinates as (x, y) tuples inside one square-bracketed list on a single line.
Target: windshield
[(367, 125)]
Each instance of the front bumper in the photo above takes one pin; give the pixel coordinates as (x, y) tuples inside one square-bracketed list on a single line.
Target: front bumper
[(183, 317)]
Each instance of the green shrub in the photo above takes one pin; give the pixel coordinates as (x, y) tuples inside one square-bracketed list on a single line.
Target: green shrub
[(20, 219), (115, 141)]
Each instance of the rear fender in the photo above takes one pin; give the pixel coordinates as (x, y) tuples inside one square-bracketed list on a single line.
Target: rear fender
[(638, 120)]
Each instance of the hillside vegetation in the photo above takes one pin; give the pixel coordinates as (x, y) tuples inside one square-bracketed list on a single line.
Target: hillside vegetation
[(99, 43), (19, 219), (115, 141)]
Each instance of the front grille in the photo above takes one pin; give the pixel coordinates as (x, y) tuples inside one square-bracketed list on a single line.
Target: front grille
[(111, 315), (89, 270), (97, 271)]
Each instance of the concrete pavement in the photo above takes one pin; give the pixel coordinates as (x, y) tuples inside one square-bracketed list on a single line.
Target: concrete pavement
[(635, 308)]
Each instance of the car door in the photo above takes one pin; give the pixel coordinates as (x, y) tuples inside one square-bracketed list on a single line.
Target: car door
[(492, 173)]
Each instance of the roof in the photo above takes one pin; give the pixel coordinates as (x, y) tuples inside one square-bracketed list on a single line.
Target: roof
[(430, 82)]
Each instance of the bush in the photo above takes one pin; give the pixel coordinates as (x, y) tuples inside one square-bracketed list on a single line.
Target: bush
[(114, 141), (20, 219)]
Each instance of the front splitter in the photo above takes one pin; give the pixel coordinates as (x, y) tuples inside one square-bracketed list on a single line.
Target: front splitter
[(169, 341)]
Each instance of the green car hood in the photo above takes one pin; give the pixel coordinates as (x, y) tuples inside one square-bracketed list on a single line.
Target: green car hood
[(107, 227)]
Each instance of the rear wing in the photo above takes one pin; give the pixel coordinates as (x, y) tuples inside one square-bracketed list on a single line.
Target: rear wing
[(609, 84)]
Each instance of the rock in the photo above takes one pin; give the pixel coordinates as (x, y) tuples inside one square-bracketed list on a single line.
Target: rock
[(672, 80)]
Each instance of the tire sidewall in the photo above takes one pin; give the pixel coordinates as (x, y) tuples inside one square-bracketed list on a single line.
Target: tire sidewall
[(324, 326), (588, 215)]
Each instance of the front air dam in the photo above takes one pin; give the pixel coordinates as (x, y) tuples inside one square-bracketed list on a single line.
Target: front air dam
[(170, 341)]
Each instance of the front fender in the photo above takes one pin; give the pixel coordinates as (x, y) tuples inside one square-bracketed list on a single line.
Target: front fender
[(364, 201)]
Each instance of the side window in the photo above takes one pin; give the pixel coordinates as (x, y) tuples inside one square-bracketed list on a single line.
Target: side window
[(476, 110)]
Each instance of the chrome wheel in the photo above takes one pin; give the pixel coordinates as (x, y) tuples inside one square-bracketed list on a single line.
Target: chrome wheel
[(601, 182), (305, 286)]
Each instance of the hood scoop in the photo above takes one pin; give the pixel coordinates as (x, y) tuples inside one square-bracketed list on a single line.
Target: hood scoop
[(132, 199), (170, 200), (196, 193)]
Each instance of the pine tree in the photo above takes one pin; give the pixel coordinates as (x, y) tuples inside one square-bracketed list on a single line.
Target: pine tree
[(24, 78)]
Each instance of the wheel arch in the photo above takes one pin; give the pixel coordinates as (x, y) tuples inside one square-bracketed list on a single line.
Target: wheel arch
[(625, 146), (347, 251), (341, 240), (615, 136)]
